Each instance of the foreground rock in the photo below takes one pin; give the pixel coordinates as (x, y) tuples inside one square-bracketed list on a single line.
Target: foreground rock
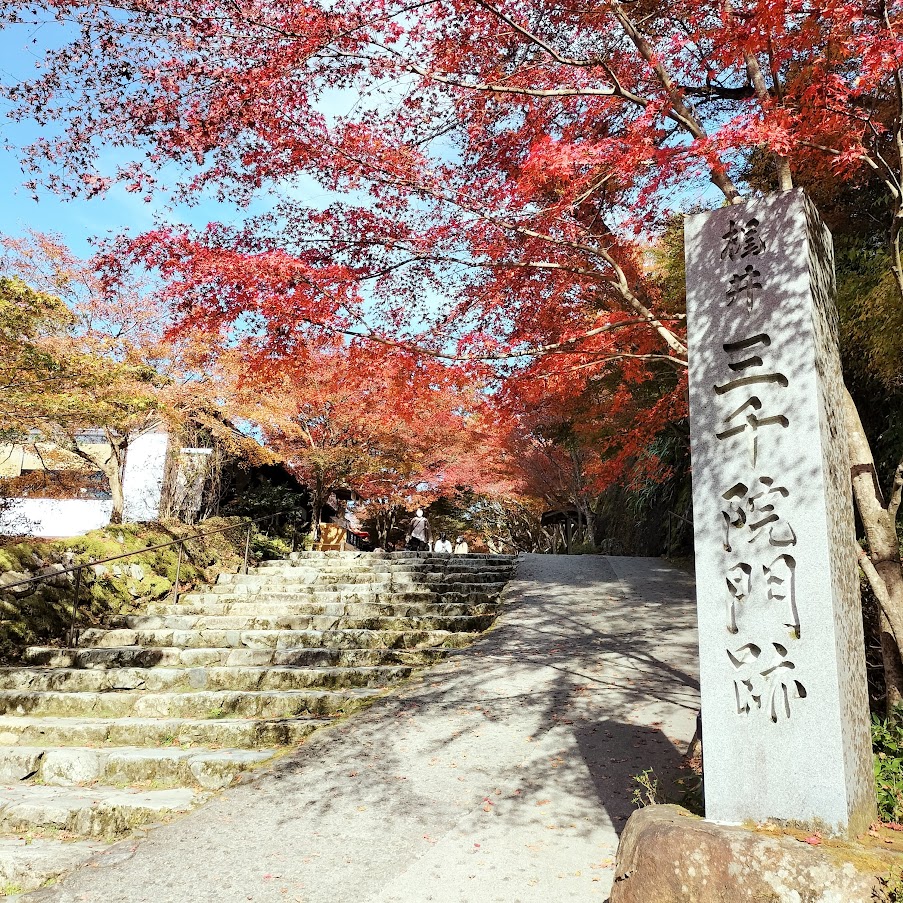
[(153, 713), (667, 855)]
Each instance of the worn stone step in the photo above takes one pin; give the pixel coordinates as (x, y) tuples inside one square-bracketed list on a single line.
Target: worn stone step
[(363, 577), (98, 811), (199, 704), (29, 863), (285, 597), (360, 575), (342, 638), (314, 555), (235, 733), (179, 623), (356, 592), (332, 609), (175, 657), (210, 769), (422, 573), (155, 680)]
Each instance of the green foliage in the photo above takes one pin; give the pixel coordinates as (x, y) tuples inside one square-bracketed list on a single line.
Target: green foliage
[(584, 547), (49, 381), (871, 315), (890, 888), (684, 790), (648, 790), (887, 745)]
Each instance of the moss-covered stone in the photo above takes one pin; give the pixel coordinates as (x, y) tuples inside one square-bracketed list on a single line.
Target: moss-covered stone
[(119, 587)]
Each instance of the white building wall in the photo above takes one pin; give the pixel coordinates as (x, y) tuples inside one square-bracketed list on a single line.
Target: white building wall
[(56, 518), (142, 482)]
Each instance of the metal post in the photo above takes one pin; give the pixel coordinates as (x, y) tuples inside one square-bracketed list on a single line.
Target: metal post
[(73, 635), (247, 549), (175, 588), (568, 529)]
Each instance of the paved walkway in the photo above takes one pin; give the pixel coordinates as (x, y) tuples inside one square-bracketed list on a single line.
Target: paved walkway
[(502, 775)]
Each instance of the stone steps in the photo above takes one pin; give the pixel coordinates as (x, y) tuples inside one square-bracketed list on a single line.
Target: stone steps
[(156, 679), (339, 637), (177, 657), (341, 578), (276, 632), (345, 592), (294, 622), (158, 709), (198, 704), (228, 733), (397, 556), (208, 769), (29, 863), (106, 812), (331, 609)]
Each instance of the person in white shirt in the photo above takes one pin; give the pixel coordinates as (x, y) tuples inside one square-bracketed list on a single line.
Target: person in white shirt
[(443, 544), (461, 547)]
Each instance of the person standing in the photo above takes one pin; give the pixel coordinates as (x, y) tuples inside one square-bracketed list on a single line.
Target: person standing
[(461, 547), (420, 536)]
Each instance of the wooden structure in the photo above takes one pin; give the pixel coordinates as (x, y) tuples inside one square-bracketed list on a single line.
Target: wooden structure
[(565, 526), (333, 538)]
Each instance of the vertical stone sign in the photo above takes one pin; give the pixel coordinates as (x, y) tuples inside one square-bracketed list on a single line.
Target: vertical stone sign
[(782, 670)]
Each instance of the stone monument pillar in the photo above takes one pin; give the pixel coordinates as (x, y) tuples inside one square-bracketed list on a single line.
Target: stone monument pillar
[(782, 669)]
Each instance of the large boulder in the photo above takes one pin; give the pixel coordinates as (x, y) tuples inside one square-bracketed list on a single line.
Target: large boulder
[(667, 855)]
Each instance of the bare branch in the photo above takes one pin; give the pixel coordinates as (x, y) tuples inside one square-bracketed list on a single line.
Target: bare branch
[(673, 361), (682, 111), (782, 164), (877, 585), (538, 41), (896, 493), (535, 351)]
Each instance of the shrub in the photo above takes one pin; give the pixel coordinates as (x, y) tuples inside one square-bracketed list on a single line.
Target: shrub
[(887, 745)]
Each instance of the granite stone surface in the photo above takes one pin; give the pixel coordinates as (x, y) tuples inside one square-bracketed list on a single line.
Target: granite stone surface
[(785, 714)]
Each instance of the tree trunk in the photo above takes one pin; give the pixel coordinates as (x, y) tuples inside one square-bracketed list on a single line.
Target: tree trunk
[(893, 667), (881, 565), (317, 513), (116, 493), (112, 467)]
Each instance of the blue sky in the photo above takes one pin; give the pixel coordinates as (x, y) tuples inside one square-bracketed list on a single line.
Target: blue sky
[(81, 219), (75, 220)]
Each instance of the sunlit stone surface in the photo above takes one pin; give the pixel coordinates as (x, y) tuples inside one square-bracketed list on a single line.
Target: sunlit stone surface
[(785, 714)]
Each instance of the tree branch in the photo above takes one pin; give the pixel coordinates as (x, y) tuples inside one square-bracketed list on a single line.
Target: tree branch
[(896, 493), (878, 588), (782, 164)]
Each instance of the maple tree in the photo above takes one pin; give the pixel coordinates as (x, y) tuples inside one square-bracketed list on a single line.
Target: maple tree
[(80, 358), (56, 390), (521, 153), (399, 430)]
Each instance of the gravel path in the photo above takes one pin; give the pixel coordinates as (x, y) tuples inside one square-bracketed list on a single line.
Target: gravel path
[(502, 775)]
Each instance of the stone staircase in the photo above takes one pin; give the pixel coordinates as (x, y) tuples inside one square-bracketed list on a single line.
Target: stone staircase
[(149, 716)]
